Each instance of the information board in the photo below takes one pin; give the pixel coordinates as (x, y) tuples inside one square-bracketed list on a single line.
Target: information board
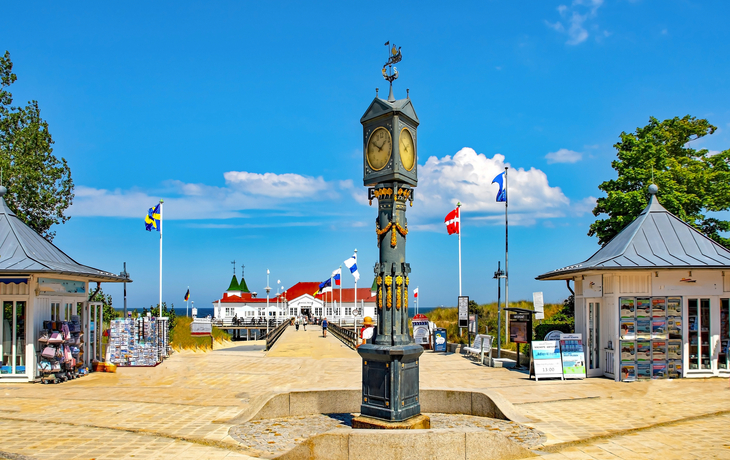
[(473, 324), (539, 304), (574, 358), (546, 360), (201, 328), (520, 327), (463, 311), (420, 330)]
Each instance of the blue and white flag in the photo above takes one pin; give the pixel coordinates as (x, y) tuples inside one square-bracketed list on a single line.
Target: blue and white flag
[(351, 263), (502, 194)]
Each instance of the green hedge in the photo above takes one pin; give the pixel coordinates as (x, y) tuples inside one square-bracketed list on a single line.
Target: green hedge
[(541, 330)]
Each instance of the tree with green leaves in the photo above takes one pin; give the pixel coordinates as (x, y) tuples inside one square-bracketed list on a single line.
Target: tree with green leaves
[(39, 185), (106, 299), (692, 183)]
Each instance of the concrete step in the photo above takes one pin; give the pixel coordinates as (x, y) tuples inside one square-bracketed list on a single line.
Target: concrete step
[(503, 362)]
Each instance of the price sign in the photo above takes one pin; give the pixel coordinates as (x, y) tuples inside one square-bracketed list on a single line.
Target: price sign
[(463, 311), (546, 359)]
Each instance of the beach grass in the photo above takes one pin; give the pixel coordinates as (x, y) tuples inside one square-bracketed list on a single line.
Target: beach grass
[(180, 337)]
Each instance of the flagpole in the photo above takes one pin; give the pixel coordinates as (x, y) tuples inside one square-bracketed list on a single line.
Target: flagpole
[(417, 300), (356, 287), (458, 207), (159, 309), (187, 301), (506, 253), (341, 281), (160, 305)]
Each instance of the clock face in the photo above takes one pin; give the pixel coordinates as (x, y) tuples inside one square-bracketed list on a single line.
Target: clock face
[(379, 147), (407, 149)]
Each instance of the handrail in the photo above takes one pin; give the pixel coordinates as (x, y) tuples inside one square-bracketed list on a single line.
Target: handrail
[(346, 336), (274, 334)]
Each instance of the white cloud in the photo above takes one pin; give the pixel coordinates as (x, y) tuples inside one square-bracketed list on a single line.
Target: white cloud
[(467, 177), (564, 156), (584, 206), (575, 22), (243, 191), (275, 185)]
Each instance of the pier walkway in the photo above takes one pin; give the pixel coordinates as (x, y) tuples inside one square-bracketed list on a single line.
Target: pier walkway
[(186, 407)]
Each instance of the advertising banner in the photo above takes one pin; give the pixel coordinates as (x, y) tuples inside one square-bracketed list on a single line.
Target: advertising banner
[(546, 359), (627, 308), (439, 340), (574, 361), (628, 371)]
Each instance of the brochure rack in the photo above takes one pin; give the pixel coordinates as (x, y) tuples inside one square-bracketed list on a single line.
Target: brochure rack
[(651, 337)]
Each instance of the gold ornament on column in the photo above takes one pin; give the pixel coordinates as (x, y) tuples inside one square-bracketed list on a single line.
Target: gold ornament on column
[(379, 280), (389, 283), (398, 295)]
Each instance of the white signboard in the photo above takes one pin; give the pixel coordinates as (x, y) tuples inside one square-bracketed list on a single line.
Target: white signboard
[(546, 359), (420, 331), (463, 311), (201, 328), (539, 305)]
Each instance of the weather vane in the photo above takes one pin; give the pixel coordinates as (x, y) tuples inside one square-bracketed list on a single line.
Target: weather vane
[(390, 73)]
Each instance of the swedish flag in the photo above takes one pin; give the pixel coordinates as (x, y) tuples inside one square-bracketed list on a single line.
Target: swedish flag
[(152, 219)]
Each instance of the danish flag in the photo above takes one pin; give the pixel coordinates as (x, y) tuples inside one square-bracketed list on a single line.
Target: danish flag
[(452, 221)]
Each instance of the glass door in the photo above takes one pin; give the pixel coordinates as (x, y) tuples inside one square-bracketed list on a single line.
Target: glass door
[(12, 338), (723, 358), (593, 315), (698, 323)]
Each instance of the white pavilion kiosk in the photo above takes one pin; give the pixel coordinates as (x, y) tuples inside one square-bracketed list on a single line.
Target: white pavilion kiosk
[(39, 282), (654, 301)]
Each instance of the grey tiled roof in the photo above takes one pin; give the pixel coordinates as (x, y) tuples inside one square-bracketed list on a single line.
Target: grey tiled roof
[(655, 239), (24, 251)]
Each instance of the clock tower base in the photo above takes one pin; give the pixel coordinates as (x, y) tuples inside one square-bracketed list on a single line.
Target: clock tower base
[(390, 388)]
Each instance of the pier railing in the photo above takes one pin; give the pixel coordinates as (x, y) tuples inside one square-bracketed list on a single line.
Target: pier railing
[(346, 336), (275, 333)]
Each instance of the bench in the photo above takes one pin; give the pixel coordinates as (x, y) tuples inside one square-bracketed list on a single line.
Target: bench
[(482, 344)]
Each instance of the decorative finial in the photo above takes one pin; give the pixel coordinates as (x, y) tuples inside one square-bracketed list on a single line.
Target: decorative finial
[(376, 92), (653, 189), (234, 267), (3, 190), (394, 57)]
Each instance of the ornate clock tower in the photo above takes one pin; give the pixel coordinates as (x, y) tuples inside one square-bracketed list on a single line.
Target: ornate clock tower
[(390, 387)]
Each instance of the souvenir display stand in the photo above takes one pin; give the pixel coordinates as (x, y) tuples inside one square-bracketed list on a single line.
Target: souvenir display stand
[(138, 342), (60, 350)]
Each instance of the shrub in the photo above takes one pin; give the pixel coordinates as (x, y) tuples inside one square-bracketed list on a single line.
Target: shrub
[(541, 330)]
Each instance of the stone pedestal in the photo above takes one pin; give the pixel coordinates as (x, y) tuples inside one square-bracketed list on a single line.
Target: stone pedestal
[(418, 422), (390, 389)]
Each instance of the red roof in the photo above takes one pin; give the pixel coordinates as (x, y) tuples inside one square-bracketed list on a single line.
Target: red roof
[(245, 297), (301, 288), (348, 295)]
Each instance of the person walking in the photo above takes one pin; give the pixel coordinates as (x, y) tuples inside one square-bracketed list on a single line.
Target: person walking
[(305, 323), (324, 327), (296, 324)]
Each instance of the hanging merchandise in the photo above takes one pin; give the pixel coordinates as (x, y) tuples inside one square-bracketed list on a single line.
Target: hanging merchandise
[(60, 357)]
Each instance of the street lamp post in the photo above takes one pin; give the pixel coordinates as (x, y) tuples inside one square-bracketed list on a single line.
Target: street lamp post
[(498, 275), (268, 289)]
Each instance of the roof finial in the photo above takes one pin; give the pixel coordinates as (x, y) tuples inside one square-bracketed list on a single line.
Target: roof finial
[(234, 267), (3, 190), (653, 189)]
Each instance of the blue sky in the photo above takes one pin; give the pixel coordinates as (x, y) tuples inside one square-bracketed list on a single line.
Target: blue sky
[(244, 117)]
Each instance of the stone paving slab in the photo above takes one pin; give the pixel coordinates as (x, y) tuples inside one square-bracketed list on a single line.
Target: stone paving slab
[(192, 396)]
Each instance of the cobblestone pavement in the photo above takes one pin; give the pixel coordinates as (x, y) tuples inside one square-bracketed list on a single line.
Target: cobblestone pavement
[(275, 436), (184, 404)]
